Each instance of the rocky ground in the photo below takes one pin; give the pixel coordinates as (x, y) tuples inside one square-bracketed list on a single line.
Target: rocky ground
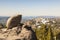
[(17, 34)]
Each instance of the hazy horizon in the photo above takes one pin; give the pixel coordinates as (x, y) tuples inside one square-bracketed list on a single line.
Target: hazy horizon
[(30, 7)]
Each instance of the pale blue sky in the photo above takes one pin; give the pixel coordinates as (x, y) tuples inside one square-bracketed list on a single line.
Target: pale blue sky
[(30, 7)]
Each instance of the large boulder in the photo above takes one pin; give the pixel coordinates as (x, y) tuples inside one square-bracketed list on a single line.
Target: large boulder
[(13, 21)]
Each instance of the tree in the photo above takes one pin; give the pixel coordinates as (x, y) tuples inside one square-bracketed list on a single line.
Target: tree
[(44, 33)]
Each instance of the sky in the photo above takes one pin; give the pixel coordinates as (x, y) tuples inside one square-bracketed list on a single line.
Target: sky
[(30, 7)]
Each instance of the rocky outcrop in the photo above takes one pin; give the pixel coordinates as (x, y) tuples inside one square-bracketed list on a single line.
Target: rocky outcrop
[(17, 30), (24, 33), (27, 33)]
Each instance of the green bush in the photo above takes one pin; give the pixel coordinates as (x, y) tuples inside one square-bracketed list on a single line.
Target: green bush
[(44, 33)]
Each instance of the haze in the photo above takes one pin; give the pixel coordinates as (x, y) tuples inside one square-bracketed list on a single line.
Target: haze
[(30, 7)]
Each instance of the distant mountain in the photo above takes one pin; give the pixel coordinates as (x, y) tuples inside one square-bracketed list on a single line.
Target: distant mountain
[(3, 19)]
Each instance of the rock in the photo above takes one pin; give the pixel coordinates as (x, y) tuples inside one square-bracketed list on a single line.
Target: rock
[(13, 21), (2, 39), (27, 33), (17, 39)]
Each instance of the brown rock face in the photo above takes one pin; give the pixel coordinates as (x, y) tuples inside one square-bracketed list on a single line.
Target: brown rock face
[(13, 21)]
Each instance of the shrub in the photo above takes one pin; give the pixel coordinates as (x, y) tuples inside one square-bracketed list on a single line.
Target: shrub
[(44, 33)]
